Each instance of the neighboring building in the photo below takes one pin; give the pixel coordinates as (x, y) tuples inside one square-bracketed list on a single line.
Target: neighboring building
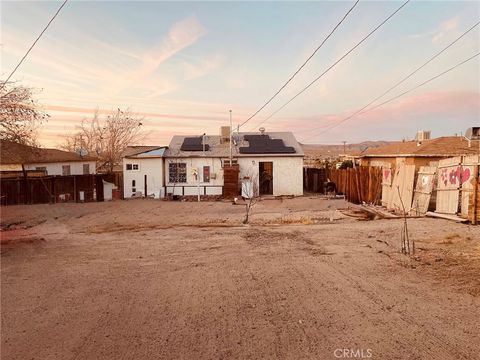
[(14, 158), (142, 163), (273, 161), (421, 152)]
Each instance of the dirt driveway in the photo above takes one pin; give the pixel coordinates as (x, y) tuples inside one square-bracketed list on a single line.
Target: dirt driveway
[(148, 279)]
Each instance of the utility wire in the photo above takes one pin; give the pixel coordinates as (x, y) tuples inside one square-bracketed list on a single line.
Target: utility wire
[(335, 63), (303, 65), (31, 47), (361, 112), (409, 75)]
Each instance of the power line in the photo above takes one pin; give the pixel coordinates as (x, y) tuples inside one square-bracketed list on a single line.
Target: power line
[(408, 76), (397, 96), (303, 65), (335, 63), (31, 47)]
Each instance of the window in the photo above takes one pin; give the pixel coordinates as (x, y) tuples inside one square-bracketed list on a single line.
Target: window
[(226, 162), (206, 174), (177, 173), (133, 187), (86, 169), (65, 170), (133, 167), (41, 168)]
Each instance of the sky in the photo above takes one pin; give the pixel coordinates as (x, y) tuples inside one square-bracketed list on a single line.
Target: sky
[(184, 65)]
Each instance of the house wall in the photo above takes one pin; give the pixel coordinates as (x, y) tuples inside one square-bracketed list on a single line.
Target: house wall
[(153, 168), (397, 161), (213, 187), (287, 173), (76, 167)]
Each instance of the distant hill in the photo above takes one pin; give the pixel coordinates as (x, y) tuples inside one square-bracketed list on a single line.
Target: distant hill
[(323, 151)]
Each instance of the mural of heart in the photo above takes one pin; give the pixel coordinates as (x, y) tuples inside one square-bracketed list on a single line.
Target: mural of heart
[(464, 175)]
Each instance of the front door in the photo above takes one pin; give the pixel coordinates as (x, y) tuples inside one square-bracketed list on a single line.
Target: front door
[(265, 177)]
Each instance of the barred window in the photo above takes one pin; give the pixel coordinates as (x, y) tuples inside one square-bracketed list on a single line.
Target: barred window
[(177, 172)]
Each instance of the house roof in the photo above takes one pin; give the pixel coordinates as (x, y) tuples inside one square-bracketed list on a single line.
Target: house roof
[(218, 148), (14, 153), (144, 151), (438, 147)]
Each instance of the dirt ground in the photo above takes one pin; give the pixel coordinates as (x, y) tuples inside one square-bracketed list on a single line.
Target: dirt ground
[(149, 279)]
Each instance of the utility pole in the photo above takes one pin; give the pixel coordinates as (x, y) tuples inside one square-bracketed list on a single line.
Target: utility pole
[(231, 131), (344, 152)]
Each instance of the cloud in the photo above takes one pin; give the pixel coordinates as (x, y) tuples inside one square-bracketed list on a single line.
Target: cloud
[(203, 67), (446, 27), (181, 35), (445, 109)]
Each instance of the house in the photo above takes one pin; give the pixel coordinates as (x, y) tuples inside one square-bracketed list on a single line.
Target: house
[(143, 171), (423, 151), (15, 158), (196, 165), (273, 161)]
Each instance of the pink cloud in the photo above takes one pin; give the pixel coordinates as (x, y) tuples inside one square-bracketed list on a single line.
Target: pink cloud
[(408, 113)]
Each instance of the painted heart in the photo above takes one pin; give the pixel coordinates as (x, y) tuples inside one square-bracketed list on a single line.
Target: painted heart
[(465, 175)]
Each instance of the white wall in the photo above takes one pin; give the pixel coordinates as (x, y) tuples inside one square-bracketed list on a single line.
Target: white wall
[(287, 173), (76, 167), (214, 187), (153, 168)]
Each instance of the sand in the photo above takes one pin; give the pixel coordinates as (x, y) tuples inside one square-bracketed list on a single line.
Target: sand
[(149, 279)]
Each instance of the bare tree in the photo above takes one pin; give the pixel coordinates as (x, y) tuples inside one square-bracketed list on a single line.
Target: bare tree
[(404, 236), (107, 137), (20, 114)]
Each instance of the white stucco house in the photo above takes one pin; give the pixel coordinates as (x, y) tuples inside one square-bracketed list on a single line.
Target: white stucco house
[(17, 157), (143, 171), (194, 165), (273, 161)]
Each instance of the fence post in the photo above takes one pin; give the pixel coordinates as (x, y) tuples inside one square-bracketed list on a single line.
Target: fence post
[(52, 191), (475, 195), (74, 188)]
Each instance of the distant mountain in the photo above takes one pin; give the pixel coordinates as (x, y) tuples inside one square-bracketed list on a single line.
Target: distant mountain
[(323, 151)]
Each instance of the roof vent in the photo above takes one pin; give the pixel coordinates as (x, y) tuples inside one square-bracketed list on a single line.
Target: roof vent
[(262, 130)]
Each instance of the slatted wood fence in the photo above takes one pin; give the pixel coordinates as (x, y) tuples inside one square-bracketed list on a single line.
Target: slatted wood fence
[(50, 189), (314, 179), (362, 184), (230, 180)]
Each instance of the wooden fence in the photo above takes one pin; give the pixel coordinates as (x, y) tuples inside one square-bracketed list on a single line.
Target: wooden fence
[(230, 181), (51, 189), (362, 184), (314, 179)]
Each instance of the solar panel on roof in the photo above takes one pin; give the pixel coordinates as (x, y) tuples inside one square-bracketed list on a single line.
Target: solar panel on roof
[(194, 144), (262, 144)]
